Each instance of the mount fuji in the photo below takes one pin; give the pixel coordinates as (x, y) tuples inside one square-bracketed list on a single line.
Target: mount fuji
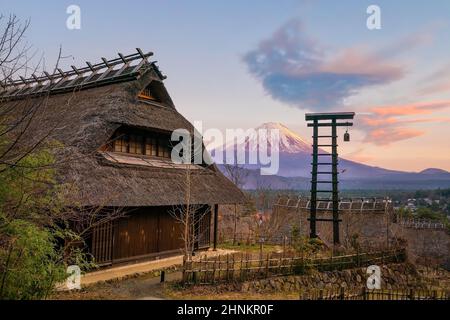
[(295, 166)]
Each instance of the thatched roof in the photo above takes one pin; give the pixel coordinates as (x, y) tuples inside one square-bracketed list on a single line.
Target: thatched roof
[(84, 118)]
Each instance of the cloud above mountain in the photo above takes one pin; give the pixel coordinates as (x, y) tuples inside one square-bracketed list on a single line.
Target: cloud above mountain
[(295, 69), (300, 71)]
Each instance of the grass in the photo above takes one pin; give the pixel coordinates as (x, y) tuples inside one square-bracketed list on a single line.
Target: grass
[(220, 292)]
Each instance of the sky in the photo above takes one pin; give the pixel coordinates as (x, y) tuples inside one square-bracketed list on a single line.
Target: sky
[(238, 64)]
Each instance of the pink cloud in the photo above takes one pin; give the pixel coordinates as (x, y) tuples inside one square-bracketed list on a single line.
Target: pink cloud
[(385, 124), (437, 81), (443, 86), (387, 135), (358, 61), (359, 156), (410, 109)]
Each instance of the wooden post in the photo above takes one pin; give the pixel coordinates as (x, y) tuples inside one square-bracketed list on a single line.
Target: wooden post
[(228, 267), (219, 269), (216, 221), (331, 261), (335, 195), (203, 269), (183, 277), (291, 266), (233, 266), (246, 266), (241, 271), (411, 294), (342, 293), (313, 206), (280, 263), (194, 277), (214, 271), (358, 260)]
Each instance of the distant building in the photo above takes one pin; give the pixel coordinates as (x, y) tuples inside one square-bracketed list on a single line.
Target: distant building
[(411, 204)]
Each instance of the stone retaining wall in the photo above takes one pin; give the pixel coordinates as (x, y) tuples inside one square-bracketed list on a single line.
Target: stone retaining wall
[(429, 247), (392, 276)]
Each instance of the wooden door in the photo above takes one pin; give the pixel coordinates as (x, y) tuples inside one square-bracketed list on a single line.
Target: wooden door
[(102, 243), (143, 232), (170, 232), (136, 235), (203, 229)]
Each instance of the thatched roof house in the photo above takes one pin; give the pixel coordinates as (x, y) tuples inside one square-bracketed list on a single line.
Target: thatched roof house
[(114, 120)]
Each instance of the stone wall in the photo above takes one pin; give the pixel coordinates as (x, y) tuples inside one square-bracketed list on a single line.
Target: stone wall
[(372, 228), (244, 224), (425, 246), (392, 276)]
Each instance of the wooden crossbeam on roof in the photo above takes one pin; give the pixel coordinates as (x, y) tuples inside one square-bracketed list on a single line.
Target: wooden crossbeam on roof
[(107, 71), (81, 76), (48, 76), (93, 72), (76, 70), (36, 78), (105, 62)]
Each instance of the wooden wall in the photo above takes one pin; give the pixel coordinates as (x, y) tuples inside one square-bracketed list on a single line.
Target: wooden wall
[(144, 232)]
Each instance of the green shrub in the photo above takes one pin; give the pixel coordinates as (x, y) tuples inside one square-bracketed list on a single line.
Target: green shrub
[(30, 263)]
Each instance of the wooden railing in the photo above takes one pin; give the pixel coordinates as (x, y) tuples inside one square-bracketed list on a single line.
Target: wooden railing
[(420, 223), (362, 205), (251, 239), (243, 266)]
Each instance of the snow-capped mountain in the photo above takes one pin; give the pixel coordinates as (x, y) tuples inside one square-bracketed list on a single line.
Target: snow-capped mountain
[(294, 153), (289, 141), (295, 159)]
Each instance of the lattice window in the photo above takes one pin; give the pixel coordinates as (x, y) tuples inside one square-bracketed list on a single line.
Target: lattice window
[(147, 94), (121, 143), (163, 148), (135, 144), (141, 142), (150, 146)]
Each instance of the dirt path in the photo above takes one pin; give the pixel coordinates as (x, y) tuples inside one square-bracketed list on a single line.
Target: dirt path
[(136, 281), (145, 287), (141, 268)]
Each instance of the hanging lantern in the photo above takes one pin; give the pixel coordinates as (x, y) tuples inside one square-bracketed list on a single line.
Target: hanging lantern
[(346, 136)]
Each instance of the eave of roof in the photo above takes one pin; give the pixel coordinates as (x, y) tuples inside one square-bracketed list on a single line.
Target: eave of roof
[(96, 181)]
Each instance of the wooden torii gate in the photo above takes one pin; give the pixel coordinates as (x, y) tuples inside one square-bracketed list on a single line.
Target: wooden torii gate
[(326, 120)]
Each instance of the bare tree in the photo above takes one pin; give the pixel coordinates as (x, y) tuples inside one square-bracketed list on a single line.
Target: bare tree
[(269, 222), (38, 198), (15, 55), (238, 175), (189, 215)]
